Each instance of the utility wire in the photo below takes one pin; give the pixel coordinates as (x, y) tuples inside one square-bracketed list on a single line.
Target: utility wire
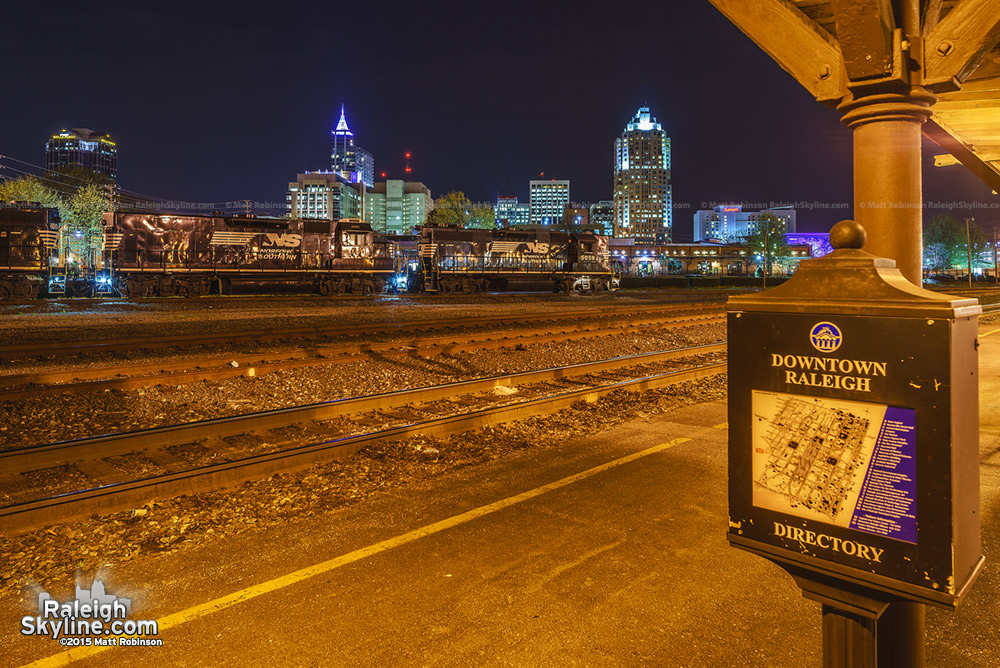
[(130, 199)]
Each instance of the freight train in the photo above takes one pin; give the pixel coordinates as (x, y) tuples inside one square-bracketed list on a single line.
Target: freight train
[(454, 259), (147, 255), (193, 255), (29, 235)]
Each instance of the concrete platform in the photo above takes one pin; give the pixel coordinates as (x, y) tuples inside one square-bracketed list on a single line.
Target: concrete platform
[(610, 551)]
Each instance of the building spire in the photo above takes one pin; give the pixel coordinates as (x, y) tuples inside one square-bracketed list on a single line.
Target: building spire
[(342, 123)]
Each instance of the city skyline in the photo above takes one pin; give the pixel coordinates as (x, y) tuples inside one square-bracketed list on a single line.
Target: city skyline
[(199, 117)]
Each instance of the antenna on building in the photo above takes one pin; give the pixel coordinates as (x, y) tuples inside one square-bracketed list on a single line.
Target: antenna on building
[(408, 169)]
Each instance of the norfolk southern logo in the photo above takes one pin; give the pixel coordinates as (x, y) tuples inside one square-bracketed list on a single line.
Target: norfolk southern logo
[(281, 240), (512, 247), (825, 337)]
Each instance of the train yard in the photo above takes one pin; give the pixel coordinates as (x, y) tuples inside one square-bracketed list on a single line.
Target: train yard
[(112, 434)]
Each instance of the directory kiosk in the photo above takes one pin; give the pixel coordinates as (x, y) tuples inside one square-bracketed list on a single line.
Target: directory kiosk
[(853, 422)]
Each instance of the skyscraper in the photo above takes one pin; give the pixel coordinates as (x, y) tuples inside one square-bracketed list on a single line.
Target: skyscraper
[(82, 147), (353, 163), (643, 194), (548, 200)]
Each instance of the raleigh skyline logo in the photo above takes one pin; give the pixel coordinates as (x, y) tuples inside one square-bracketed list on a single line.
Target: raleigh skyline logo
[(94, 617)]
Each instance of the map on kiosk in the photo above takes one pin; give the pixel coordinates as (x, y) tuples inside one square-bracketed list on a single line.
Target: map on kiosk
[(845, 463)]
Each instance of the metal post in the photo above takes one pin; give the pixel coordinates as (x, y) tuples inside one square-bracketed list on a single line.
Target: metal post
[(852, 640), (996, 274), (888, 195), (968, 248), (849, 640), (764, 273), (901, 636), (111, 251), (862, 628)]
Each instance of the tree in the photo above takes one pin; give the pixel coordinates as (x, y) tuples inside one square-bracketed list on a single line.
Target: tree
[(80, 210), (456, 209), (767, 241), (946, 245), (481, 216), (84, 235), (31, 189)]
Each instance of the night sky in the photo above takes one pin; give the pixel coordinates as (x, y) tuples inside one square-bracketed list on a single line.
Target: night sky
[(214, 102)]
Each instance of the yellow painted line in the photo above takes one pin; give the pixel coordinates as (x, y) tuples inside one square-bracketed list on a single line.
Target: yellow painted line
[(197, 611), (724, 425), (994, 331)]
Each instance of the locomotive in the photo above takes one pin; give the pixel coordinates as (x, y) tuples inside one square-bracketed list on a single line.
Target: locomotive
[(455, 259), (189, 256), (146, 254), (29, 235)]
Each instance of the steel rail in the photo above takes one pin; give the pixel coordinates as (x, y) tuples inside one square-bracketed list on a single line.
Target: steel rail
[(97, 447), (57, 349), (122, 496), (17, 386)]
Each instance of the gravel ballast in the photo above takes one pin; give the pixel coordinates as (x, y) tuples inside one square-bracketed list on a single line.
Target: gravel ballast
[(52, 556)]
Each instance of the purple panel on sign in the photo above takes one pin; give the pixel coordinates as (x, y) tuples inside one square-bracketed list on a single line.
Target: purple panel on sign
[(887, 505)]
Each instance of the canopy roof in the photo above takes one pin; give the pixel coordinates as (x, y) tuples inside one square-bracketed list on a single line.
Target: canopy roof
[(827, 45)]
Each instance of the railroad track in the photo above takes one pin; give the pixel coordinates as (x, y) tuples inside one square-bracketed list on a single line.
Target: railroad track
[(218, 454), (65, 349), (215, 368), (990, 309)]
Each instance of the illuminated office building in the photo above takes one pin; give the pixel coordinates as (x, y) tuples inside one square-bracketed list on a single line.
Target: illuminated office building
[(352, 162), (396, 207), (730, 223), (323, 195), (511, 213), (643, 195), (603, 214), (82, 147), (548, 200)]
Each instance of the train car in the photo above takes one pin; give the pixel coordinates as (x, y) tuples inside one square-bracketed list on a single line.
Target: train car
[(455, 259), (184, 255), (29, 236)]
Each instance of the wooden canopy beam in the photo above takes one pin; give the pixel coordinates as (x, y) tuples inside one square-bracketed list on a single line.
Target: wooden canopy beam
[(974, 163), (798, 45), (959, 43), (932, 14), (947, 159), (864, 29)]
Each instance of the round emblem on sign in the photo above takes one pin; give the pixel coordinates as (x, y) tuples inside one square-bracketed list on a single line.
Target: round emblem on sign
[(825, 337)]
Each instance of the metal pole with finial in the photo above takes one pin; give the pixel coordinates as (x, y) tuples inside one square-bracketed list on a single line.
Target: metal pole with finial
[(767, 229), (968, 247)]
